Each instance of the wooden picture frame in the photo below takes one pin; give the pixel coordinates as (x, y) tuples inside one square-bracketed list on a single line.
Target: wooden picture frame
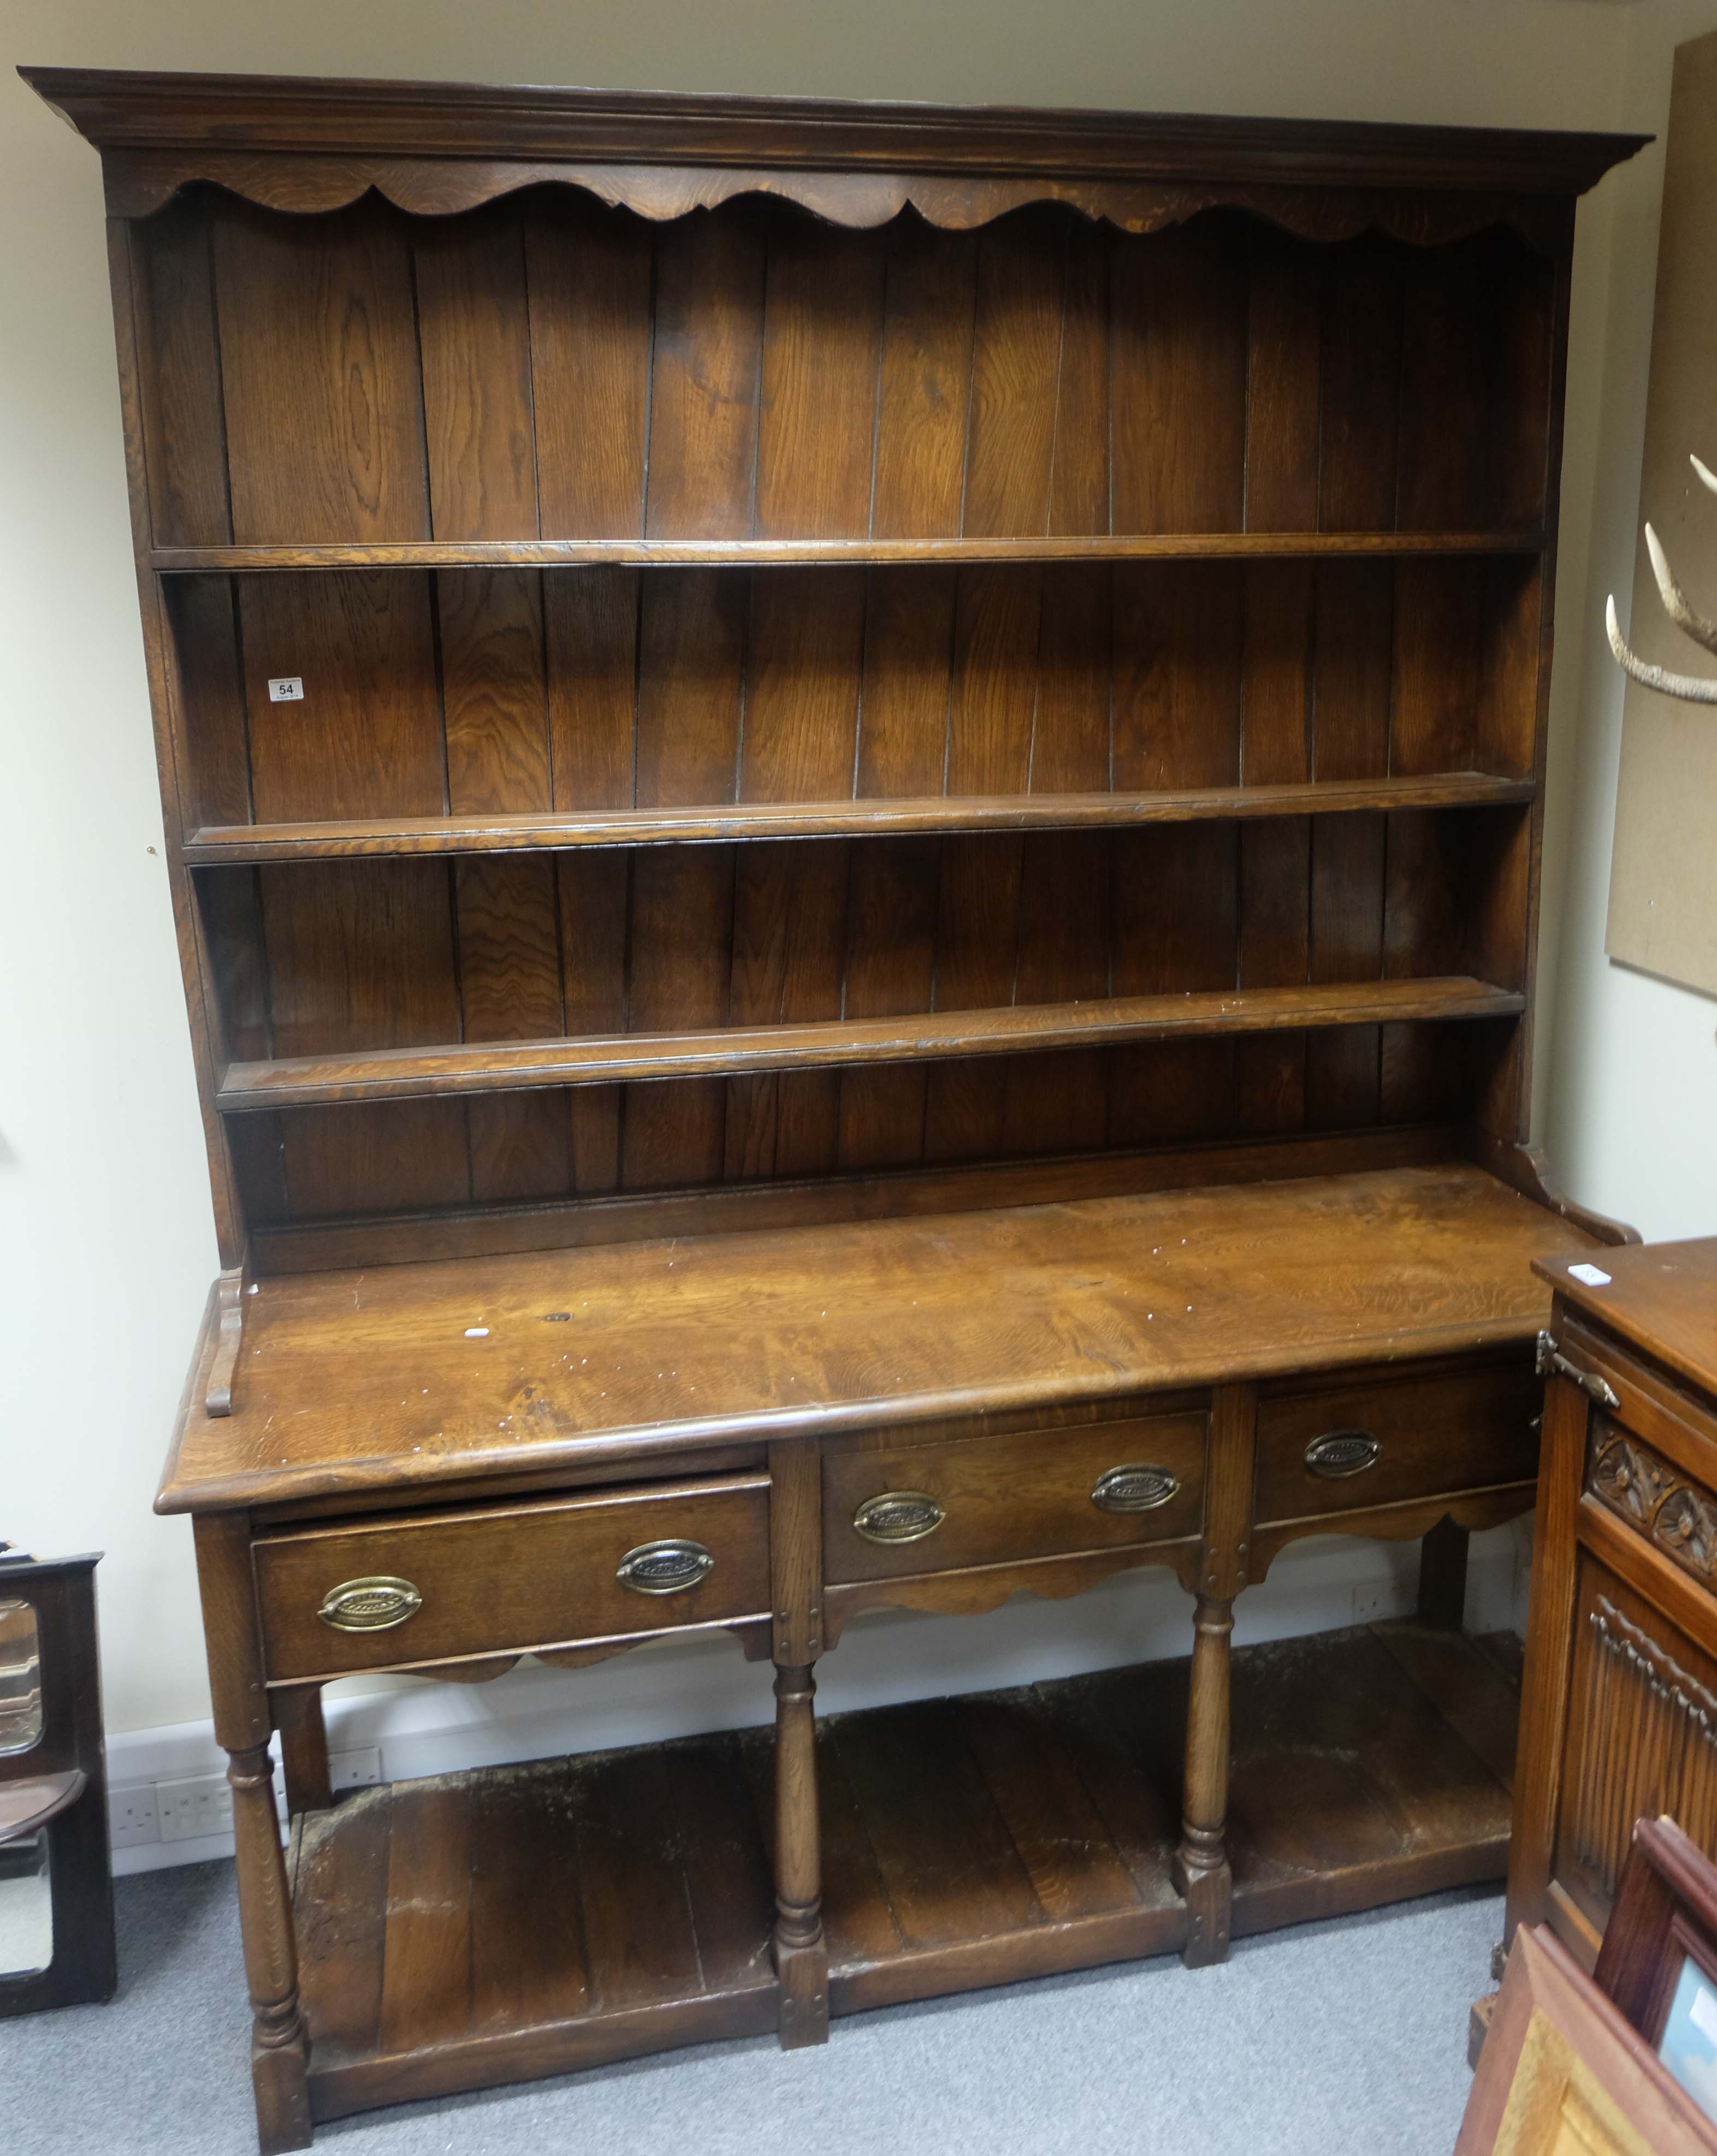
[(1564, 2068), (1685, 2037), (1665, 1916)]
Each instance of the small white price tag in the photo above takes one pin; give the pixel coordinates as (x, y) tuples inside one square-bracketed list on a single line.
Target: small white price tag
[(286, 689), (1589, 1276)]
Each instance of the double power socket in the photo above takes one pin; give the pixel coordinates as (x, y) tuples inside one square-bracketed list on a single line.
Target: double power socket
[(199, 1808)]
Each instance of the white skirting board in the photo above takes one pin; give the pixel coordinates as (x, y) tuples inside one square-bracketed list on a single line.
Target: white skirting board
[(686, 1688)]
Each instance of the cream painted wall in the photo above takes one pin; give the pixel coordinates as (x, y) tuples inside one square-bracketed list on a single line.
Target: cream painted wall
[(1629, 1091), (106, 1245)]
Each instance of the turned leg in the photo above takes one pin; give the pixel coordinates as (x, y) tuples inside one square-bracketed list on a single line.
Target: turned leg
[(280, 2044), (303, 1749), (796, 1571), (1202, 1872), (1201, 1863), (1442, 1576), (279, 2050), (801, 1953)]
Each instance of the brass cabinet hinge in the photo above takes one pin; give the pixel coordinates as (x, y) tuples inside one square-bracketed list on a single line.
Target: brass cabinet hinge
[(1552, 1362)]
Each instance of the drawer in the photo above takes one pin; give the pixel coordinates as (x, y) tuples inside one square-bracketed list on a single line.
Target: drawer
[(937, 1507), (1386, 1440), (502, 1579)]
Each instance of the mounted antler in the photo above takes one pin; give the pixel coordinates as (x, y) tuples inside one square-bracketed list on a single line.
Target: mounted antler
[(1689, 687)]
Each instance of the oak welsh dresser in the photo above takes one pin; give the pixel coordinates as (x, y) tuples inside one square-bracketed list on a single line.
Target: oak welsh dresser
[(1619, 1712), (854, 798)]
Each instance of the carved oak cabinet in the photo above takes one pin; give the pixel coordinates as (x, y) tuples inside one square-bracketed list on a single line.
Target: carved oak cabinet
[(1619, 1719), (854, 799)]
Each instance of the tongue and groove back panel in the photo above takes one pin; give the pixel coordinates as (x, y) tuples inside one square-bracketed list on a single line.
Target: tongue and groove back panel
[(548, 367)]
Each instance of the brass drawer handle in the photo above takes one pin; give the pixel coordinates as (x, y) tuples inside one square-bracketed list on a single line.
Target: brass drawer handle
[(668, 1568), (898, 1516), (370, 1605), (1133, 1489), (1340, 1453)]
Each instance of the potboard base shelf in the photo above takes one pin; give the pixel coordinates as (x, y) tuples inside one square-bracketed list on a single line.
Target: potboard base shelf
[(519, 1921)]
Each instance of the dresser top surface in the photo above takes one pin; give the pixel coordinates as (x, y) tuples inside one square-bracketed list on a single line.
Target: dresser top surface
[(413, 1377), (1659, 1297)]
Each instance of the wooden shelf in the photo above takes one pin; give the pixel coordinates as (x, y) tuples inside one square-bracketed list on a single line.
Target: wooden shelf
[(407, 1074), (786, 553), (567, 1911), (555, 830)]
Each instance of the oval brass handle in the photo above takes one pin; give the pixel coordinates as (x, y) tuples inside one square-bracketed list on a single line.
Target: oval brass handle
[(370, 1605), (1342, 1452), (667, 1567), (1133, 1489), (898, 1516)]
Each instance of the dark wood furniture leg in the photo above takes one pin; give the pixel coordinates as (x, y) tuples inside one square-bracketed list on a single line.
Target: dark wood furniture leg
[(303, 1749), (280, 2052), (1202, 1872), (796, 1565), (1442, 1576), (1545, 1702), (280, 2048), (1201, 1864), (801, 1953)]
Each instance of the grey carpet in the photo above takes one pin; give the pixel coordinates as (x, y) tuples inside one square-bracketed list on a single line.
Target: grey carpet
[(1348, 2034)]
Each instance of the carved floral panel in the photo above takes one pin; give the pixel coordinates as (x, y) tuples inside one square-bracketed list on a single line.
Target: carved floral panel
[(1676, 1516)]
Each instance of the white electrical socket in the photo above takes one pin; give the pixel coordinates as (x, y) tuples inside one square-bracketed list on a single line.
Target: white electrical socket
[(132, 1818), (191, 1810), (355, 1770), (1374, 1599)]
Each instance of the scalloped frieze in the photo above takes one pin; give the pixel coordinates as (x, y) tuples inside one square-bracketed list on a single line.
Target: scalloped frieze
[(1403, 1522), (976, 1592), (752, 1634), (139, 182)]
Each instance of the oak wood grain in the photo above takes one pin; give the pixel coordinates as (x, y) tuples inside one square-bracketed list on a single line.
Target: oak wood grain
[(700, 551), (408, 1074), (559, 831), (856, 1327), (1659, 1299)]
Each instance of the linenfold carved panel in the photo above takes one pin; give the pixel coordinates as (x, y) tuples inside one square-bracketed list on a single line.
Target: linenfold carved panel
[(1677, 1516), (1650, 1746)]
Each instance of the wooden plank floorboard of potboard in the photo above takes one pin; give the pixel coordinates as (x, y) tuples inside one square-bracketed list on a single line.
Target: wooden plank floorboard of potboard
[(522, 1920)]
